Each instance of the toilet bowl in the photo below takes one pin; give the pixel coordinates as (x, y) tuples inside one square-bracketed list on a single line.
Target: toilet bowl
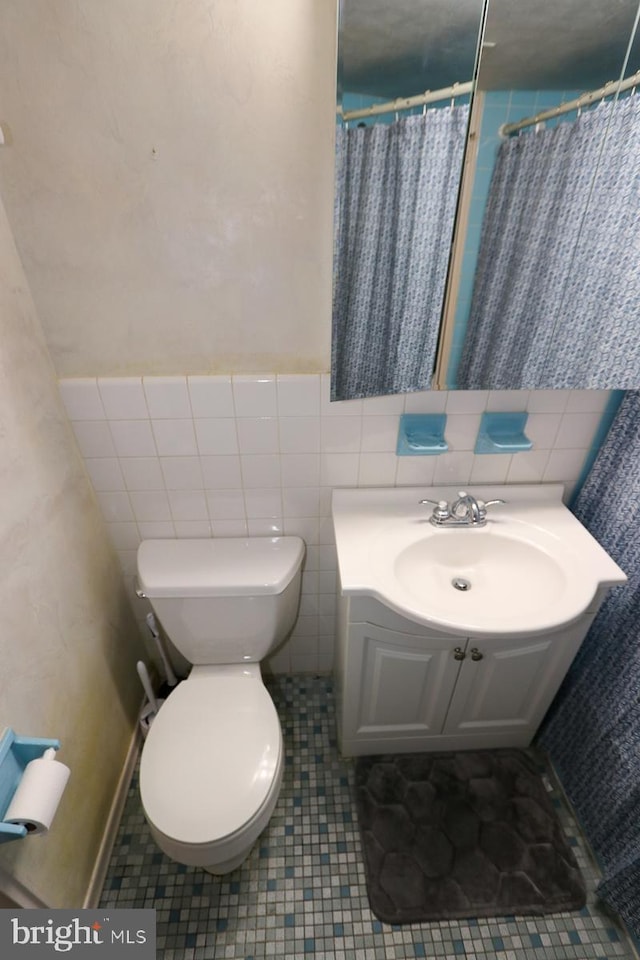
[(211, 765)]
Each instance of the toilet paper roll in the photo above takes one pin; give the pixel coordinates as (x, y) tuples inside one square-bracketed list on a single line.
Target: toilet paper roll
[(38, 794)]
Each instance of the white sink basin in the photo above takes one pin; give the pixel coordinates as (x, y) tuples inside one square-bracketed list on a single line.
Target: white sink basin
[(530, 570)]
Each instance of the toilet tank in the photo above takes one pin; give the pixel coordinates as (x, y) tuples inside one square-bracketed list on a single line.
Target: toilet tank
[(223, 600)]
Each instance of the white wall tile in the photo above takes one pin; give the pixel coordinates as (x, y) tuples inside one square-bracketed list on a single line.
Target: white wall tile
[(105, 473), (542, 429), (426, 401), (300, 502), (340, 434), (577, 430), (221, 472), (115, 507), (167, 397), (265, 526), (298, 395), (383, 406), (564, 465), (216, 436), (229, 528), (300, 469), (123, 398), (260, 470), (133, 438), (142, 473), (182, 473), (94, 438), (81, 399), (415, 471), (453, 468), (466, 401), (377, 469), (175, 438), (587, 401), (507, 401), (255, 396), (124, 536), (528, 466), (547, 401), (188, 505), (461, 431), (299, 434), (379, 434), (308, 529), (263, 503), (211, 397), (192, 529), (258, 435), (490, 468), (226, 504), (150, 505), (339, 469), (157, 530)]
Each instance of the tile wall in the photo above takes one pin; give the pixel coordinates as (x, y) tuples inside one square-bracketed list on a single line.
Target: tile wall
[(259, 455)]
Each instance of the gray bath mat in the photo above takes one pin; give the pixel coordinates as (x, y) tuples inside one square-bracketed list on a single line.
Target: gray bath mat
[(462, 835)]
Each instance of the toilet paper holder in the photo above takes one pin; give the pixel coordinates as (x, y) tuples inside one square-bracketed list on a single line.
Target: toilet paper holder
[(15, 754)]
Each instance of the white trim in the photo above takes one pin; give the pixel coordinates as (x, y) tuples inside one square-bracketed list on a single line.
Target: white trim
[(99, 872)]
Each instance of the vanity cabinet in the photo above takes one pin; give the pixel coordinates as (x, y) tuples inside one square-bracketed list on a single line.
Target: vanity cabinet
[(403, 687)]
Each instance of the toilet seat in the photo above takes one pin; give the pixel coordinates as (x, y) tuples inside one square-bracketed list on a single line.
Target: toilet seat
[(211, 756)]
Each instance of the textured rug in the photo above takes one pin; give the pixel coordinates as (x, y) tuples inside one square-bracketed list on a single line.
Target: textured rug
[(472, 834)]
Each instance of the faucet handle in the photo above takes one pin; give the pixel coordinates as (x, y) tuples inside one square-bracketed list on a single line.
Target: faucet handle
[(483, 504), (441, 509)]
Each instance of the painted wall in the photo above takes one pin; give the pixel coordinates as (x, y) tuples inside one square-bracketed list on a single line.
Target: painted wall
[(67, 638), (169, 180)]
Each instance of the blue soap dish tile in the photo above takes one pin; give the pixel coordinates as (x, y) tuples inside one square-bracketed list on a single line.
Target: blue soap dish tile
[(502, 433), (421, 434)]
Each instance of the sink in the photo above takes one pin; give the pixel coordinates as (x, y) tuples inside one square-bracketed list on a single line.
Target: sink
[(531, 569)]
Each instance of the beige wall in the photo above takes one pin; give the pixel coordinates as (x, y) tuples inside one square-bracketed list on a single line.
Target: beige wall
[(169, 180), (67, 641)]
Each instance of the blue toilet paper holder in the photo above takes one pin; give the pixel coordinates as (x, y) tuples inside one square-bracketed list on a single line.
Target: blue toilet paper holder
[(15, 754)]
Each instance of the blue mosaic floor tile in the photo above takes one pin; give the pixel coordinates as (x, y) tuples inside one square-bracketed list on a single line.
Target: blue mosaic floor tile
[(302, 894)]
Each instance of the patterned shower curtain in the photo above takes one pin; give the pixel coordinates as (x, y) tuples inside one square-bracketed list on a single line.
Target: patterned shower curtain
[(396, 195), (556, 300), (592, 732)]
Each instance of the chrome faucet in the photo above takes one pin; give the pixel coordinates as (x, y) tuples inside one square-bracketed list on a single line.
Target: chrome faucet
[(466, 511)]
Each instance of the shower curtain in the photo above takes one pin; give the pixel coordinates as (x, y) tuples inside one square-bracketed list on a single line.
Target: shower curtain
[(557, 286), (396, 195), (592, 732)]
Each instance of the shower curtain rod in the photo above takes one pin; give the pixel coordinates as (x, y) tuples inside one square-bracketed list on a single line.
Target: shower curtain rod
[(405, 103), (584, 100)]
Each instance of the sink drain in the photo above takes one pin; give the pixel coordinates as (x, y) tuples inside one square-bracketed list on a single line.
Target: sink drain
[(461, 584)]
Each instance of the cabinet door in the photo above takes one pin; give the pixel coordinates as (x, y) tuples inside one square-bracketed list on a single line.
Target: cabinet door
[(400, 685), (509, 690)]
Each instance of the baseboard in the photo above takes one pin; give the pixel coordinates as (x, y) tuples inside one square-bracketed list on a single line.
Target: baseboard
[(99, 872)]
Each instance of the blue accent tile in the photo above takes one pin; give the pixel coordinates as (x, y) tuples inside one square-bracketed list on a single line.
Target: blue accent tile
[(309, 945), (376, 926), (574, 937), (613, 935), (272, 885), (221, 924), (535, 939), (308, 893), (338, 930), (289, 920), (498, 943), (418, 950), (458, 946)]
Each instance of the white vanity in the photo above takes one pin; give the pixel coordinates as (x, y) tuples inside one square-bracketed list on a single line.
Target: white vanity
[(457, 637)]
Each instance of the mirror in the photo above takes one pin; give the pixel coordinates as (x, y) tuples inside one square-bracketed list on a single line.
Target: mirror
[(397, 182), (535, 55)]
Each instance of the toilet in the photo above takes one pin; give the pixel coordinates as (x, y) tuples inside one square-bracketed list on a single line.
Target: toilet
[(212, 762)]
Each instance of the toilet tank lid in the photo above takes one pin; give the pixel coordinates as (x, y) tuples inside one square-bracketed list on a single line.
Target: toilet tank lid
[(229, 567)]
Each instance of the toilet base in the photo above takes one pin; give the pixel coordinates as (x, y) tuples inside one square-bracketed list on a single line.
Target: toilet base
[(220, 869)]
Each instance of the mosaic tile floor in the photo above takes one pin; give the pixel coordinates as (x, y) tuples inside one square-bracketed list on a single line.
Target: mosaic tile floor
[(302, 891)]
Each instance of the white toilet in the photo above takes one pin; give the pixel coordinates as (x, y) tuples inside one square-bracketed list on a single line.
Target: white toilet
[(212, 762)]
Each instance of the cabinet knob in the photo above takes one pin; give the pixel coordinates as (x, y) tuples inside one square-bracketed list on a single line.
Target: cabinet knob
[(459, 654), (475, 654)]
